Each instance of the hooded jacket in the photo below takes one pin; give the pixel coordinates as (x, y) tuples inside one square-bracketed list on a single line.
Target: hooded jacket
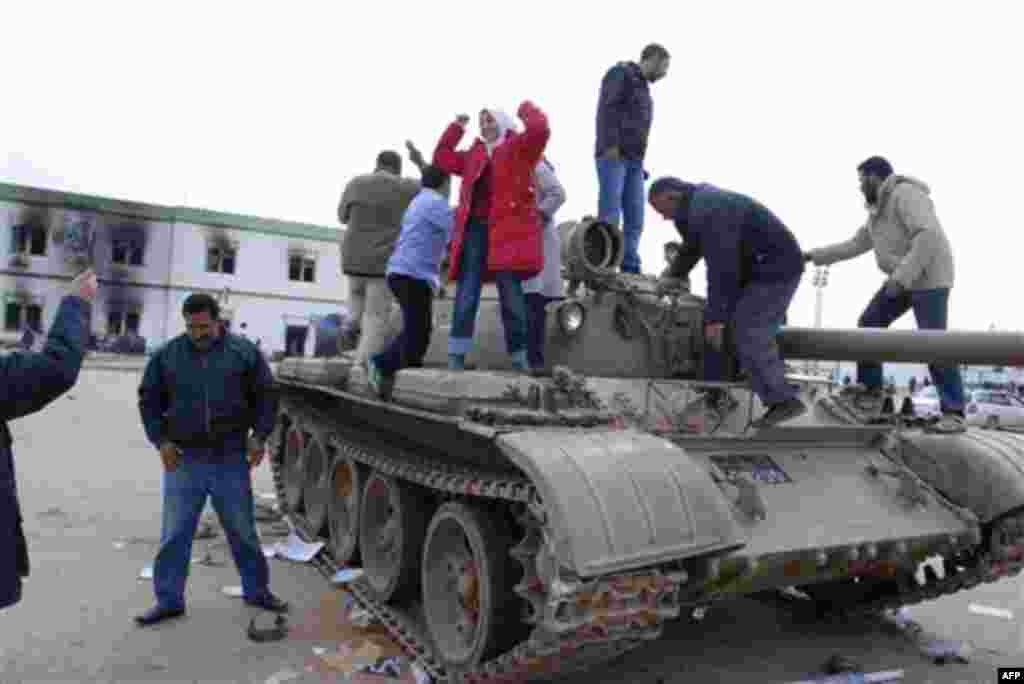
[(28, 382), (372, 207), (909, 242), (514, 242)]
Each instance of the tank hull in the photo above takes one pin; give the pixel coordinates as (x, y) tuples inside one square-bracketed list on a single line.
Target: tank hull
[(630, 510)]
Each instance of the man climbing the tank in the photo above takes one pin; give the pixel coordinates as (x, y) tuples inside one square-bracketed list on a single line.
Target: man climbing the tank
[(911, 248), (625, 111), (372, 206), (546, 286), (754, 265), (498, 235)]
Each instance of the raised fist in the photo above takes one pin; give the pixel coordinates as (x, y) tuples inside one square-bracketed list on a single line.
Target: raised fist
[(84, 285)]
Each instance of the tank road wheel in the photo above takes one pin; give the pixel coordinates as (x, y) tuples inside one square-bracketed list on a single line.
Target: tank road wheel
[(316, 487), (466, 598), (293, 466), (347, 481), (392, 521)]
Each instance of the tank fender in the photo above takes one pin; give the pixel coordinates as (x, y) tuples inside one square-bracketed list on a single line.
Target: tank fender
[(618, 500), (981, 470)]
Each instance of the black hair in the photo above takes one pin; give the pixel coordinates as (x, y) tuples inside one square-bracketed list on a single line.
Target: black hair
[(876, 166), (666, 184), (433, 177), (389, 159), (199, 302), (654, 51)]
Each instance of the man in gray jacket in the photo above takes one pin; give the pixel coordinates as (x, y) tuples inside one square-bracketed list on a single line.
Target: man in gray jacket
[(912, 249), (372, 206)]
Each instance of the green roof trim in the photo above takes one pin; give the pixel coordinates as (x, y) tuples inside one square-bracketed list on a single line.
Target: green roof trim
[(155, 212)]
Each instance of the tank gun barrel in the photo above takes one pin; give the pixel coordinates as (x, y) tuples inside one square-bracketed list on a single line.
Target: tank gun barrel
[(951, 347)]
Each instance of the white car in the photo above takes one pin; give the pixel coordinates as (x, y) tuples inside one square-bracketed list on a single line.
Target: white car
[(987, 408)]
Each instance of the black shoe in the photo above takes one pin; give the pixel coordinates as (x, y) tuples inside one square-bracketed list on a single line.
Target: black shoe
[(269, 602), (780, 413), (158, 614)]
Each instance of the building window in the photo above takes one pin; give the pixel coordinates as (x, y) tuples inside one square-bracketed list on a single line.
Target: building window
[(220, 260), (121, 322), (301, 268), (28, 239), (127, 253), (18, 314)]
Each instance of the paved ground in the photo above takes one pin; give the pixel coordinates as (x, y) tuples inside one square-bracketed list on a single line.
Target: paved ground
[(89, 480)]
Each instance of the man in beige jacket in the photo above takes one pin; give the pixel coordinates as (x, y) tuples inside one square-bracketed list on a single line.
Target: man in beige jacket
[(912, 250), (372, 206)]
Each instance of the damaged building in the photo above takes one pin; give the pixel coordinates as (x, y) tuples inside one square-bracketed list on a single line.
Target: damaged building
[(280, 278)]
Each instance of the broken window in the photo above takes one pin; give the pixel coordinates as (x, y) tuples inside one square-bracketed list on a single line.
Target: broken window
[(17, 315), (301, 268), (220, 260), (127, 253), (29, 239)]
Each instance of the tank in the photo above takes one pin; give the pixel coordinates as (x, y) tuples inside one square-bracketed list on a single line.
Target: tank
[(512, 527)]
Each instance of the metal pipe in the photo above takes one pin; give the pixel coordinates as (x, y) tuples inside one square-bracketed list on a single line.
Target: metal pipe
[(950, 347)]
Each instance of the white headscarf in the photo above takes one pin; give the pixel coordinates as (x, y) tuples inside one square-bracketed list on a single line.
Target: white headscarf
[(506, 124)]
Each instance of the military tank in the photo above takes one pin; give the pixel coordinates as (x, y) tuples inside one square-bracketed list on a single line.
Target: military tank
[(513, 527)]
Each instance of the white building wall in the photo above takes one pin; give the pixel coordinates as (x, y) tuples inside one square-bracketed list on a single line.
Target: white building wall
[(259, 292)]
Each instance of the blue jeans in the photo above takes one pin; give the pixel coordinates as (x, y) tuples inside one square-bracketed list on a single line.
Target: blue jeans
[(536, 318), (467, 297), (621, 194), (931, 309), (185, 490)]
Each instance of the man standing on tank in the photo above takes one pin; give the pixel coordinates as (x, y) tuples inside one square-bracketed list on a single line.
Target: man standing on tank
[(912, 249), (754, 265), (625, 111), (372, 206)]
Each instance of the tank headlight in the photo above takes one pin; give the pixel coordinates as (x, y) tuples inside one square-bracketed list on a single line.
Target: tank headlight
[(571, 317)]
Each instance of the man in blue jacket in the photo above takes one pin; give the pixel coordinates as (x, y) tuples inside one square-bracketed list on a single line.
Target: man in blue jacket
[(200, 396), (754, 265), (625, 111), (28, 382)]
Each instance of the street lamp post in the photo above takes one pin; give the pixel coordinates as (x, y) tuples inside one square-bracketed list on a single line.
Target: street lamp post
[(820, 281)]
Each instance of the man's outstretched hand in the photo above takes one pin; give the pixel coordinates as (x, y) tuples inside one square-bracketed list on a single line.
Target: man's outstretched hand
[(415, 156)]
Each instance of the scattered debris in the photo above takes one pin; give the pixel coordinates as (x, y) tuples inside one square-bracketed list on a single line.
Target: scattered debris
[(360, 617), (295, 549), (855, 678), (939, 650), (233, 592), (347, 660), (276, 633), (283, 676), (979, 609), (146, 573), (347, 575)]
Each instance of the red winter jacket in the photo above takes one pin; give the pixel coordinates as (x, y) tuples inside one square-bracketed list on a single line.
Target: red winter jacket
[(514, 229)]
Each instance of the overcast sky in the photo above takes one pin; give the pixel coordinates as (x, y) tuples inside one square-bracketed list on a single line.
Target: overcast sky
[(226, 106)]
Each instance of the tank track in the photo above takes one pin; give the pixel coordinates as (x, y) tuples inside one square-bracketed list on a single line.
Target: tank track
[(576, 625)]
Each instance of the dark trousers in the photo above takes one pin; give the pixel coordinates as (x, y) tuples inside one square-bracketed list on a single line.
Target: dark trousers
[(536, 325), (759, 313), (931, 309), (417, 302)]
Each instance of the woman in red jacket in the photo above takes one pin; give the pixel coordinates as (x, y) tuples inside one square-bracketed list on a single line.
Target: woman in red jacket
[(498, 229)]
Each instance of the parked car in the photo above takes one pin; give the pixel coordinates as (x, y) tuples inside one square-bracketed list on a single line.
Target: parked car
[(987, 408)]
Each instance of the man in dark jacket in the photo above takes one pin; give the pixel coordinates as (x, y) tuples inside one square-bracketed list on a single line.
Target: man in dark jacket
[(754, 265), (200, 396), (28, 382), (625, 111)]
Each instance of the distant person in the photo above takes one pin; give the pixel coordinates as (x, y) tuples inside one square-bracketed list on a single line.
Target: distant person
[(414, 275), (208, 406), (29, 381), (547, 285), (754, 265), (625, 111), (371, 207), (912, 385), (911, 248), (497, 236)]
